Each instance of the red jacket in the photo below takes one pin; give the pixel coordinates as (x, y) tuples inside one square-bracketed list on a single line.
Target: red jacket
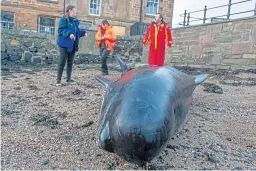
[(159, 36)]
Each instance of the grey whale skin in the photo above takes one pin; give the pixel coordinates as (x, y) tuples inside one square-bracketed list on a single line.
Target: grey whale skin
[(143, 109)]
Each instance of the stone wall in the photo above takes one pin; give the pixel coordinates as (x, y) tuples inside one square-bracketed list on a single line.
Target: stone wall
[(228, 45), (22, 47), (18, 47), (224, 45)]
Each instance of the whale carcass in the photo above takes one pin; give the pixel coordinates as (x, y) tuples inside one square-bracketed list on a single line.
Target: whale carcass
[(143, 109)]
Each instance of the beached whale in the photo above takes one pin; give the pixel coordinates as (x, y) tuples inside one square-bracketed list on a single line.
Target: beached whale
[(143, 109)]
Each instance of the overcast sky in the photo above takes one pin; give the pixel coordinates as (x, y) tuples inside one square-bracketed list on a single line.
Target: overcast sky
[(194, 5)]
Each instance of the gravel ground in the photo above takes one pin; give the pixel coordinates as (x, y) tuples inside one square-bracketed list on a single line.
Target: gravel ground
[(48, 127)]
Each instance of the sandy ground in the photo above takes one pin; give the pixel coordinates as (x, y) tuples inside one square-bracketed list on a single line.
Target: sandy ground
[(49, 127)]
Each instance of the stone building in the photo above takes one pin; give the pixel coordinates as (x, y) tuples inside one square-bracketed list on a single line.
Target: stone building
[(43, 15)]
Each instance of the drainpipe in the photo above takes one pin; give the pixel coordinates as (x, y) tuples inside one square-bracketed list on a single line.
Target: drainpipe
[(140, 23), (64, 5)]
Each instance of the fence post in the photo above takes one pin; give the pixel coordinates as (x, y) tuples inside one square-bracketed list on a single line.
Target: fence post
[(205, 9), (255, 9), (188, 19), (185, 16), (229, 8)]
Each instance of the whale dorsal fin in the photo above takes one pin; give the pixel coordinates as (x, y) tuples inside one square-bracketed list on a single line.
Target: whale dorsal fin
[(122, 64), (107, 83), (200, 78)]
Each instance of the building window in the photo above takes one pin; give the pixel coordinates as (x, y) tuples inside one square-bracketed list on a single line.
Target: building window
[(152, 7), (7, 20), (46, 25), (94, 8)]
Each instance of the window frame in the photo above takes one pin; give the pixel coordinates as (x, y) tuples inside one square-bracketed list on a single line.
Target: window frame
[(157, 9), (39, 25), (99, 9), (7, 21)]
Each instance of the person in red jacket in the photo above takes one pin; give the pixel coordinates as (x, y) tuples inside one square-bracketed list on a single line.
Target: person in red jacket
[(160, 36)]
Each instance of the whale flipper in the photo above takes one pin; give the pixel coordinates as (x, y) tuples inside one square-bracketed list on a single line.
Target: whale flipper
[(122, 64), (107, 83), (200, 78)]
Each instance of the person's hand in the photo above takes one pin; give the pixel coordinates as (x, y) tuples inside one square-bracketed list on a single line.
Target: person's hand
[(72, 36), (86, 34), (167, 46)]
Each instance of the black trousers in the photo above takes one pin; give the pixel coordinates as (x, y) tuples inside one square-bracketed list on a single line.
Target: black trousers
[(65, 56), (104, 53)]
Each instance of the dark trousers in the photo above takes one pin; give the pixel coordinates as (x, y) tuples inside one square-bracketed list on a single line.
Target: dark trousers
[(104, 53), (65, 56)]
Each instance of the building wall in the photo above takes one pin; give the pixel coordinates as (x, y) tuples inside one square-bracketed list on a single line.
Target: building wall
[(120, 13), (27, 11)]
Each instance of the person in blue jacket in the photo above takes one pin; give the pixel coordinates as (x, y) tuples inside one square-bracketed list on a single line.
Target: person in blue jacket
[(68, 40)]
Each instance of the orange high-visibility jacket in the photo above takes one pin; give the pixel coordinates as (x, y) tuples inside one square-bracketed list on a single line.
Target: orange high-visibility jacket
[(159, 36), (110, 37)]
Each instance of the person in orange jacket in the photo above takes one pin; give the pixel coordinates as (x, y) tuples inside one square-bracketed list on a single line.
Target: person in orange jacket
[(106, 40), (160, 36)]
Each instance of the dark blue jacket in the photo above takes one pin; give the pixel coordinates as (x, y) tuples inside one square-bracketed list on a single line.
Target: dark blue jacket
[(67, 27)]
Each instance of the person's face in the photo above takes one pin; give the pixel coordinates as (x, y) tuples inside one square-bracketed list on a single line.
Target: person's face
[(104, 26), (72, 12), (157, 18)]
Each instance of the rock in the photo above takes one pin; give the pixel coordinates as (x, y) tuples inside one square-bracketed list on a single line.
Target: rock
[(4, 62), (39, 54), (24, 48), (31, 49), (4, 56), (15, 57), (12, 48), (211, 87), (45, 162), (84, 59), (36, 59), (3, 47), (127, 54), (56, 59), (41, 50), (37, 45), (76, 92), (67, 137), (54, 52), (49, 46), (15, 43), (210, 157), (27, 56), (28, 43), (85, 125), (12, 53), (77, 61)]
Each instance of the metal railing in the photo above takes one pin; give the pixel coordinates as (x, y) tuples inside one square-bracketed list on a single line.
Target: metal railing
[(139, 28), (187, 15)]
